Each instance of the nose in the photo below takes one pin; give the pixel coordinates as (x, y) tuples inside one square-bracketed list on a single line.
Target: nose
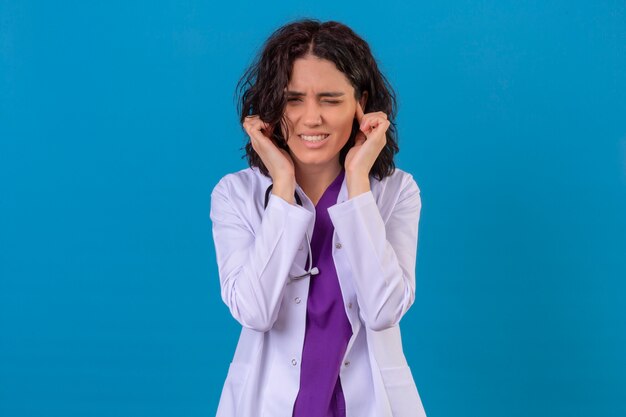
[(312, 114)]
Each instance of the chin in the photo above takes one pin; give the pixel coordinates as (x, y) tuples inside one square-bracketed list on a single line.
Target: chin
[(313, 161), (315, 157)]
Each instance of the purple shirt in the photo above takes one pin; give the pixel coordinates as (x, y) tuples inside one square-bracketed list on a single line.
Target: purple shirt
[(328, 329)]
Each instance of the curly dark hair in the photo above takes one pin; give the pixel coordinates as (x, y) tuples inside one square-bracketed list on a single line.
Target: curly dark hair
[(260, 90)]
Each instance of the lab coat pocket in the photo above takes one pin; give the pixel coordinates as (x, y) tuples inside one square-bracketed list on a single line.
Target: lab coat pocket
[(401, 392), (233, 389)]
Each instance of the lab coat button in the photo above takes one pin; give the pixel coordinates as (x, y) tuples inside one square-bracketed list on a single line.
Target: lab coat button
[(338, 245), (349, 305), (346, 363), (294, 362), (297, 300), (301, 247)]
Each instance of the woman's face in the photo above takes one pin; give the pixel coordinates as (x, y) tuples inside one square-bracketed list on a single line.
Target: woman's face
[(320, 110)]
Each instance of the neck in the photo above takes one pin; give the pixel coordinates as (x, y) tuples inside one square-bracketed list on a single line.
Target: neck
[(314, 180)]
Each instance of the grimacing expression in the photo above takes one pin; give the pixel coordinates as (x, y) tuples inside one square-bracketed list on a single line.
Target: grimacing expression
[(320, 110)]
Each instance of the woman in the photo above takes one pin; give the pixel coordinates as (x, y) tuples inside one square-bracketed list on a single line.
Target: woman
[(316, 241)]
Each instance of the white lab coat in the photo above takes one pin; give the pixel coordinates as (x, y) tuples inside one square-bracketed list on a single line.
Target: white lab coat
[(374, 250)]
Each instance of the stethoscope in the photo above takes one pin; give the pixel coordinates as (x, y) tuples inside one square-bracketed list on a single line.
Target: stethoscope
[(312, 270)]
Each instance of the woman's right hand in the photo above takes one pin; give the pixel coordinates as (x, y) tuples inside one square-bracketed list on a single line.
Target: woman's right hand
[(277, 161)]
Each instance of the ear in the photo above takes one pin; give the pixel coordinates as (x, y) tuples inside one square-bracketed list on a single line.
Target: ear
[(363, 99)]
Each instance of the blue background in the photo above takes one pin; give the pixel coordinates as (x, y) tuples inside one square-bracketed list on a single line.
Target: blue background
[(117, 119)]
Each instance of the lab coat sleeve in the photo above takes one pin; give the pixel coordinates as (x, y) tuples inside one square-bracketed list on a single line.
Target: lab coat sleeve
[(382, 256), (253, 265)]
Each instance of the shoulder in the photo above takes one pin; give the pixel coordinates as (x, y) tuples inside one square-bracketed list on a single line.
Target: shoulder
[(236, 194), (242, 182), (399, 182)]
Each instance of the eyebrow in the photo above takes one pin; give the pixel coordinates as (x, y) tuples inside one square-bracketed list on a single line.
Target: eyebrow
[(323, 94)]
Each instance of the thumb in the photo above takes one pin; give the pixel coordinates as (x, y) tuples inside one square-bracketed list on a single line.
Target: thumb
[(360, 138)]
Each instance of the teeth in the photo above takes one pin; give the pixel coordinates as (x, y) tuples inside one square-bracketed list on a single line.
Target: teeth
[(317, 138)]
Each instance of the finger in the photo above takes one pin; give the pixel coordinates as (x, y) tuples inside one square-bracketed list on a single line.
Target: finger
[(360, 138), (257, 137), (368, 123), (254, 121), (268, 130), (248, 120), (372, 121), (359, 112), (254, 126), (250, 123)]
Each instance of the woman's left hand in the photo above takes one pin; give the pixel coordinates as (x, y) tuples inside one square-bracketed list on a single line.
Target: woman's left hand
[(369, 142)]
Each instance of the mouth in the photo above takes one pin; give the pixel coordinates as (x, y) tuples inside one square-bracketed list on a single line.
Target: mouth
[(313, 138)]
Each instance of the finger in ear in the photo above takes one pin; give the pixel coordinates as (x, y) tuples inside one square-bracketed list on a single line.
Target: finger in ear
[(359, 111)]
